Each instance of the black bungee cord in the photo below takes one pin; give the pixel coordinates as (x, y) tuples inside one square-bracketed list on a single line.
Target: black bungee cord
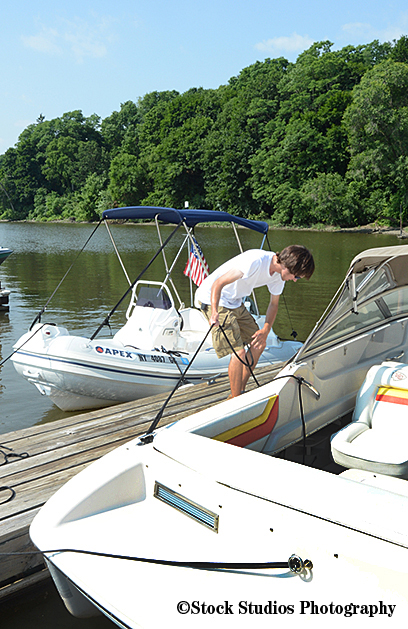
[(22, 345), (294, 334), (294, 563), (173, 355), (11, 496), (245, 362)]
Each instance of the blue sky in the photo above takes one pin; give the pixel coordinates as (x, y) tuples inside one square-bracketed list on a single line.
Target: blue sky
[(93, 56)]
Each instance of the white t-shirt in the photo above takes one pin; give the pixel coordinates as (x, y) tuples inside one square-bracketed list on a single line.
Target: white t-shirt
[(254, 264)]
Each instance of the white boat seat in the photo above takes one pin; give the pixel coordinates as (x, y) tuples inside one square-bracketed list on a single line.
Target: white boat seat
[(377, 438), (194, 320), (149, 328)]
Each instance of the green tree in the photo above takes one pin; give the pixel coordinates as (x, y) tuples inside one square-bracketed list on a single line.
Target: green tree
[(322, 140), (89, 202), (248, 103), (119, 125), (129, 183), (377, 124), (173, 157), (52, 156), (328, 200), (307, 137), (399, 51)]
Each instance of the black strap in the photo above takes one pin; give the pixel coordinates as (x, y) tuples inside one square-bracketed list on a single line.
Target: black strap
[(10, 454), (244, 362), (201, 565), (12, 494)]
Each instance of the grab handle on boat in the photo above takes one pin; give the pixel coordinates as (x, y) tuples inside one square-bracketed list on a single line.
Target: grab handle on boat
[(310, 386), (395, 358)]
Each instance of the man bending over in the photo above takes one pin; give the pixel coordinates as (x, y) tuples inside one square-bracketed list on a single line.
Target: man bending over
[(221, 297)]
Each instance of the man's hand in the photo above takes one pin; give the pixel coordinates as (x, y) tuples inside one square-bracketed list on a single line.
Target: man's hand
[(214, 319), (259, 338)]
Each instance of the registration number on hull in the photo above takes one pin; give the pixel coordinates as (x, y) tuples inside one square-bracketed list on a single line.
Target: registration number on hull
[(143, 358)]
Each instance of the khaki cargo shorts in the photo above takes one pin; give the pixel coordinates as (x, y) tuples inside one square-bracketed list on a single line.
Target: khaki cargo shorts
[(239, 326)]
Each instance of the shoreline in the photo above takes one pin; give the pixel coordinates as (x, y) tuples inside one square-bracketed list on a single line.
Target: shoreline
[(366, 229), (363, 229)]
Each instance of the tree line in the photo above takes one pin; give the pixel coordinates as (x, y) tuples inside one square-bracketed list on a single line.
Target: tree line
[(322, 141)]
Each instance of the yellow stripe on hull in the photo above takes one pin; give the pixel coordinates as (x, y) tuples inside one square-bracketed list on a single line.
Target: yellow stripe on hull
[(240, 435)]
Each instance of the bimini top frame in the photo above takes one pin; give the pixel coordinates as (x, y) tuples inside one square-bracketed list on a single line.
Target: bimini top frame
[(189, 217)]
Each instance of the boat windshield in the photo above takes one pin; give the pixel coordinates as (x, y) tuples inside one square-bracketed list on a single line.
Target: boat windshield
[(377, 297), (153, 297)]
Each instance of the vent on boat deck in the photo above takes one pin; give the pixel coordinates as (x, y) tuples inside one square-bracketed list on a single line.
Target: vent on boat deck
[(188, 507)]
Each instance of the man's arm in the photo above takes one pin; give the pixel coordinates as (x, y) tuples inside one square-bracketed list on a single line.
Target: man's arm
[(228, 278), (260, 336)]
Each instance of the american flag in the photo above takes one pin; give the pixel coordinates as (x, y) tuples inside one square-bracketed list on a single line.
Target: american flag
[(196, 268)]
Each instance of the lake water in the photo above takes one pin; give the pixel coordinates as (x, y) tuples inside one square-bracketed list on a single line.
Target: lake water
[(43, 253)]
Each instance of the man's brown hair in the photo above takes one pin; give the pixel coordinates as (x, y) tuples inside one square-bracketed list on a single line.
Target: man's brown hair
[(298, 260)]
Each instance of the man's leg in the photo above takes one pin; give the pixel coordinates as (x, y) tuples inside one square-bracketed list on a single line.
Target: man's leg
[(236, 373), (248, 327), (251, 357)]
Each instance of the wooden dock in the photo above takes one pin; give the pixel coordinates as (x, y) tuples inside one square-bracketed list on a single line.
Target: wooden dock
[(59, 450)]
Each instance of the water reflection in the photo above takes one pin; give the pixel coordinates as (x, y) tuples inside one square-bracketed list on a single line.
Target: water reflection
[(44, 609)]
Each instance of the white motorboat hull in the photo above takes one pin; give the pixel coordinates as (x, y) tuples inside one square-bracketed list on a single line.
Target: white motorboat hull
[(4, 254), (76, 373), (266, 509)]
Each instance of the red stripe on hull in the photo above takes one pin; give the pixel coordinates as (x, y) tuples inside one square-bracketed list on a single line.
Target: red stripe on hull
[(392, 399), (259, 431)]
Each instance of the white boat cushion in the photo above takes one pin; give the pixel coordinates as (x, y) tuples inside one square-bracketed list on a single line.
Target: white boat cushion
[(377, 439), (148, 328)]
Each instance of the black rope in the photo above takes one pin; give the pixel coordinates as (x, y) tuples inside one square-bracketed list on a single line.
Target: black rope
[(10, 454), (244, 362), (148, 436), (293, 333), (172, 356), (201, 565), (21, 346), (106, 320), (43, 309), (12, 494), (301, 381)]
